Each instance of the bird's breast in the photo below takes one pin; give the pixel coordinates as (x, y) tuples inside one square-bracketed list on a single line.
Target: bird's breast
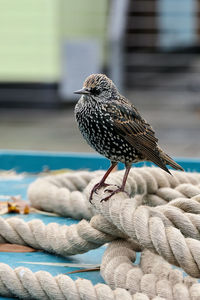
[(97, 127), (93, 124)]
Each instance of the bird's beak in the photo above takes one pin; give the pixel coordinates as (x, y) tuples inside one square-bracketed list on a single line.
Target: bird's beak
[(83, 91)]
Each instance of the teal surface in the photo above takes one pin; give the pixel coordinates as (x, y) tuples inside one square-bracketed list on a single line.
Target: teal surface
[(35, 162)]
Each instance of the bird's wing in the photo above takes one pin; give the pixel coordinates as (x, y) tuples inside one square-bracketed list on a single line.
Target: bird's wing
[(135, 130)]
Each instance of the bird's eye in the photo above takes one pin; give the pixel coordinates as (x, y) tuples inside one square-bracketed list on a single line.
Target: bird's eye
[(94, 91)]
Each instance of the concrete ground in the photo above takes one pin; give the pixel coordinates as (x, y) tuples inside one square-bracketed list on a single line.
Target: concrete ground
[(175, 119)]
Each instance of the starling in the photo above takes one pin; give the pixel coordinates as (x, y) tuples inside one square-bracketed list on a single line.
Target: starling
[(114, 128)]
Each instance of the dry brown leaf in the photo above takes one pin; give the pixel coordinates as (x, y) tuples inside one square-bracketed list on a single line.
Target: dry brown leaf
[(42, 212), (12, 208), (84, 270), (15, 248), (18, 205), (70, 265), (26, 209)]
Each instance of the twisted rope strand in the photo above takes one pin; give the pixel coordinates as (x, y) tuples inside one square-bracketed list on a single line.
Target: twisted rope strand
[(23, 283), (70, 201), (152, 232), (54, 238), (154, 277)]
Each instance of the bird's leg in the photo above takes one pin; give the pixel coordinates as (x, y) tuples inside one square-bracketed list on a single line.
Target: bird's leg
[(102, 181), (120, 189)]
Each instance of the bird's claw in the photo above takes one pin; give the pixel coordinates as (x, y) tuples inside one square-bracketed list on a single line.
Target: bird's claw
[(95, 188), (110, 191), (118, 190)]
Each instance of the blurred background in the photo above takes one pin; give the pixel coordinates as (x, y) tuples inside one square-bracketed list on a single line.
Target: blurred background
[(149, 48)]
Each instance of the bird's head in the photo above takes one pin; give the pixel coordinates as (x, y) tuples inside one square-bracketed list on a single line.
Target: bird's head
[(99, 87)]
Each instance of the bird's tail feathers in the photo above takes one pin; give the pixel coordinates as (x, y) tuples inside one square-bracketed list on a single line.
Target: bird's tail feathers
[(157, 158), (169, 161)]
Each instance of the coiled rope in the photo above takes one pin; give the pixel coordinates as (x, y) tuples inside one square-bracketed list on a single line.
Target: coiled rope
[(161, 220)]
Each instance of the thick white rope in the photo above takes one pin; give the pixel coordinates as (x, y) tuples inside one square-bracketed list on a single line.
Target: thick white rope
[(171, 230), (23, 283), (63, 240), (81, 237), (71, 201), (153, 230), (62, 194), (152, 277)]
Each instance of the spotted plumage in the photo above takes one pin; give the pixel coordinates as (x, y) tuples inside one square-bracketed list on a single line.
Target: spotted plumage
[(114, 128)]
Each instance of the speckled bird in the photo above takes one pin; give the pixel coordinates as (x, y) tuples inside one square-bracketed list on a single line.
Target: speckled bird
[(114, 128)]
